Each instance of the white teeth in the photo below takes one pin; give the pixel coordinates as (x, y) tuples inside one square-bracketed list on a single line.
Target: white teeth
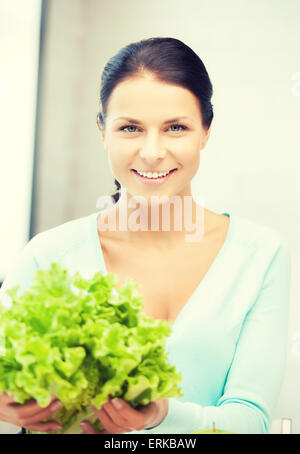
[(153, 175)]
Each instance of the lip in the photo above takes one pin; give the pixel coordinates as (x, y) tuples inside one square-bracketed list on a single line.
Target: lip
[(153, 171), (153, 181)]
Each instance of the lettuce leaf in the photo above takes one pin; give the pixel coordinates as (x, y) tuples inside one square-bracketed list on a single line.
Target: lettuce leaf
[(82, 340)]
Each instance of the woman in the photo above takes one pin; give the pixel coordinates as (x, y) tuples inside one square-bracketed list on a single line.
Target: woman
[(226, 293)]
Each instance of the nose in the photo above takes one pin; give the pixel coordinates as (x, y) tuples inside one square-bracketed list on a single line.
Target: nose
[(151, 151)]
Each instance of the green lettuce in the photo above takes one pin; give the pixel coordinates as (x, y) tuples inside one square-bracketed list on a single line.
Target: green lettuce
[(82, 340)]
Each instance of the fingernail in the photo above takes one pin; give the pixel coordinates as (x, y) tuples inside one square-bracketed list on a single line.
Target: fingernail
[(117, 403), (56, 406)]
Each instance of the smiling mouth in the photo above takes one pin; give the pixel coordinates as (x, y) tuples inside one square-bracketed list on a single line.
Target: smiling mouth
[(155, 171), (154, 180)]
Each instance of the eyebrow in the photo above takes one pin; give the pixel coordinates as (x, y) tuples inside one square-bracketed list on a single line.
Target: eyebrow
[(132, 120)]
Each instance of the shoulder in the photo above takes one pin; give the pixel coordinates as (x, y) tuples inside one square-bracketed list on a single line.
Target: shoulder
[(65, 243), (256, 232), (246, 232), (261, 241), (60, 240)]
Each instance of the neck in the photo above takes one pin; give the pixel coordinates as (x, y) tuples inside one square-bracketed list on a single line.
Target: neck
[(166, 222)]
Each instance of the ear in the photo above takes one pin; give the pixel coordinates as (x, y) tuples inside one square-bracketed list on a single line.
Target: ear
[(100, 126), (205, 137)]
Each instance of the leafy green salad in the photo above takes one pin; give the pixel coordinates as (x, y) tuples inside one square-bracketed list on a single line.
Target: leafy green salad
[(82, 340)]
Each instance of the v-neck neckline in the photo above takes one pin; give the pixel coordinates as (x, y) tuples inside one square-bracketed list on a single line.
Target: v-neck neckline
[(100, 262)]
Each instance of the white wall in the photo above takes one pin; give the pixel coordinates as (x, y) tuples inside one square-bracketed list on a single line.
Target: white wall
[(19, 50), (19, 47)]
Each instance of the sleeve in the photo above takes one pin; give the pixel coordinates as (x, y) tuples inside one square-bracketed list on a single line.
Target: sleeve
[(21, 272), (256, 372)]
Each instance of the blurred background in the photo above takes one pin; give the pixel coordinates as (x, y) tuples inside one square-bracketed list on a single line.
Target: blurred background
[(54, 167)]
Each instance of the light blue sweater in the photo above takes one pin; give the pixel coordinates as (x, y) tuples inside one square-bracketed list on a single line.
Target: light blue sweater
[(229, 341)]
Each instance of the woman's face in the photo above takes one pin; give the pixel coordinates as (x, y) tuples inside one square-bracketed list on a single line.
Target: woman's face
[(153, 144)]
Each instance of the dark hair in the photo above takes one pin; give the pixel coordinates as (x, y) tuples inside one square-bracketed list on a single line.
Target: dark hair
[(170, 61), (116, 195)]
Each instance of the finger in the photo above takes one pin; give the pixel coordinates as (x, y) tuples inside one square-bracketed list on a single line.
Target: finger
[(117, 416), (44, 414), (87, 428), (150, 412), (43, 427), (6, 398), (31, 408), (32, 402), (21, 418), (136, 418), (108, 424), (155, 412)]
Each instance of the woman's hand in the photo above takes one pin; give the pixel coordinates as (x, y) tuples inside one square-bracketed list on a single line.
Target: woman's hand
[(122, 419), (28, 415)]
